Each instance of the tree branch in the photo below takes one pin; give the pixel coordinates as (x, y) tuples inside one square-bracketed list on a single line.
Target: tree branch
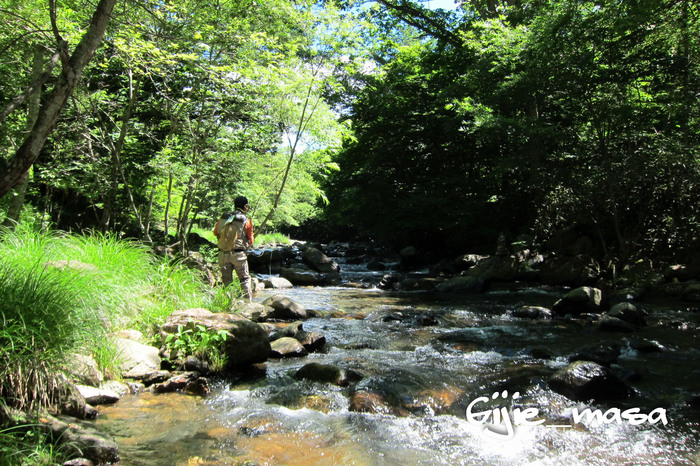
[(25, 156), (421, 19), (40, 81)]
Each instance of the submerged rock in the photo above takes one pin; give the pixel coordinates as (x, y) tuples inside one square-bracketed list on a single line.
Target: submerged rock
[(287, 347), (532, 312), (462, 284), (306, 277), (604, 354), (327, 373), (629, 313), (587, 380), (371, 401), (613, 324), (435, 400)]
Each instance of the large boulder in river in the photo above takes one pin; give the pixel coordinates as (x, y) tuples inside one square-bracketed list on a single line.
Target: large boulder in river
[(277, 283), (628, 312), (285, 308), (256, 312), (499, 268), (581, 300), (587, 380), (287, 347), (246, 341), (305, 277), (318, 261), (269, 260), (532, 312), (461, 284), (565, 270)]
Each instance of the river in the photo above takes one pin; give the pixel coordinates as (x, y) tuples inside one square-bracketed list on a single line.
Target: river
[(429, 356)]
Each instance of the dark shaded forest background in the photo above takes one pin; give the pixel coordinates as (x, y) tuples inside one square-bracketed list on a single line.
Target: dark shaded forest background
[(537, 122)]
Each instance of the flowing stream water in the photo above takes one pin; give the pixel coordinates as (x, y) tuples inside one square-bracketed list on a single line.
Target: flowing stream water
[(429, 356)]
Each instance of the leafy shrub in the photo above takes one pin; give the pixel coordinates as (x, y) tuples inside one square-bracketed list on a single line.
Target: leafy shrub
[(199, 342)]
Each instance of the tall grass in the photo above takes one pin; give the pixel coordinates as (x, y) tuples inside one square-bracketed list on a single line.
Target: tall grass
[(28, 445), (65, 293), (271, 238)]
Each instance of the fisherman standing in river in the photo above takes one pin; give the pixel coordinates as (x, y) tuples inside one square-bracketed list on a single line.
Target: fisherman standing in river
[(234, 232)]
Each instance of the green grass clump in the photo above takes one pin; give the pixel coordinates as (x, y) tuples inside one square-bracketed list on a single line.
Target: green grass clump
[(39, 326), (27, 445), (271, 238), (64, 294)]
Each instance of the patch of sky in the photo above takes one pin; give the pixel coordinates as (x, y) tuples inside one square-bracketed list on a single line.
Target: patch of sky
[(441, 4)]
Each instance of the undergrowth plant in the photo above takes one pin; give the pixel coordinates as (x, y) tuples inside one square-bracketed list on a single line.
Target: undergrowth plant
[(64, 294), (42, 322), (28, 445), (200, 342)]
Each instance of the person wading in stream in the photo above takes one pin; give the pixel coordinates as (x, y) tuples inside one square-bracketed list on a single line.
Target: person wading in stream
[(234, 232)]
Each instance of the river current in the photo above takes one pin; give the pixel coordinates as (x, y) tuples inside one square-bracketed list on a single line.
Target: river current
[(430, 356)]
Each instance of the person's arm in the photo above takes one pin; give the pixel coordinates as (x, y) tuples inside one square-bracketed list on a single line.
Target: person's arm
[(216, 228), (249, 231)]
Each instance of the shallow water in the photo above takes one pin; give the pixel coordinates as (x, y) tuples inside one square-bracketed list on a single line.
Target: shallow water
[(428, 375)]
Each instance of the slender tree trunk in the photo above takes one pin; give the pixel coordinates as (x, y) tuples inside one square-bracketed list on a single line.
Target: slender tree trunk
[(185, 209), (167, 204), (149, 210), (117, 149), (11, 171), (17, 201), (292, 151)]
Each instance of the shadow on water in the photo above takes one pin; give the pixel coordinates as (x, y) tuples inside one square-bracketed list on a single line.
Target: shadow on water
[(426, 357)]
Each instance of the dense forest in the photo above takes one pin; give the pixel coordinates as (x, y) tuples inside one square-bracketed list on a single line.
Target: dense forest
[(533, 121)]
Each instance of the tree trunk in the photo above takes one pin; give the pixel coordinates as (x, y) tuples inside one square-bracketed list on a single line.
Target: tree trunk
[(17, 201), (167, 205), (25, 156), (149, 210)]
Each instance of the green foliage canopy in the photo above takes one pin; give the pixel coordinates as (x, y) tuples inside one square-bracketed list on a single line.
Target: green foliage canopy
[(569, 115)]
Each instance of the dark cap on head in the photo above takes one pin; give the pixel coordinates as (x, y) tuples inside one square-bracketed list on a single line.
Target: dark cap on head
[(240, 202)]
